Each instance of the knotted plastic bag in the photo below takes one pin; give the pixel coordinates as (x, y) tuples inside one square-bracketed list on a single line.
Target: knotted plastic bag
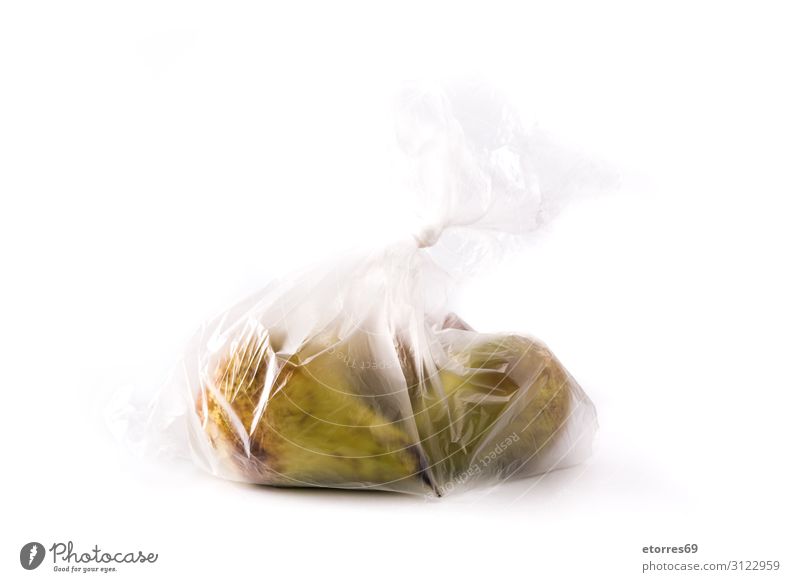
[(355, 375)]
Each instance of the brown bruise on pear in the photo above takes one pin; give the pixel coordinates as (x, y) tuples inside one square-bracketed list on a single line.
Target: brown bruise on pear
[(310, 428)]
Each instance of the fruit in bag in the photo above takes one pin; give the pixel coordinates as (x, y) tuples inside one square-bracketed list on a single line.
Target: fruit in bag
[(496, 405), (355, 375)]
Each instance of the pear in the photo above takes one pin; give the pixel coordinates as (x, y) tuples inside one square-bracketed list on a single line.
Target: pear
[(302, 421), (497, 405)]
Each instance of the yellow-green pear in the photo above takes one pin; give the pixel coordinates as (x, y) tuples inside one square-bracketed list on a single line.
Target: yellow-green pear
[(302, 422), (498, 403)]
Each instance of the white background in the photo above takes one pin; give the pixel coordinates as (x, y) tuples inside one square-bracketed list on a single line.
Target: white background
[(160, 160)]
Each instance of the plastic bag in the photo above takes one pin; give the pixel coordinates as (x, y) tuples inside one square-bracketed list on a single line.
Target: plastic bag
[(356, 375)]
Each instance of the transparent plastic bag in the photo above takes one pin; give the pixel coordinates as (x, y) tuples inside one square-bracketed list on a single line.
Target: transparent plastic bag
[(355, 375)]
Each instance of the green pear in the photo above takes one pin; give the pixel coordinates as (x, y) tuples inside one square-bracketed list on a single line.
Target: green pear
[(303, 422), (498, 403)]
